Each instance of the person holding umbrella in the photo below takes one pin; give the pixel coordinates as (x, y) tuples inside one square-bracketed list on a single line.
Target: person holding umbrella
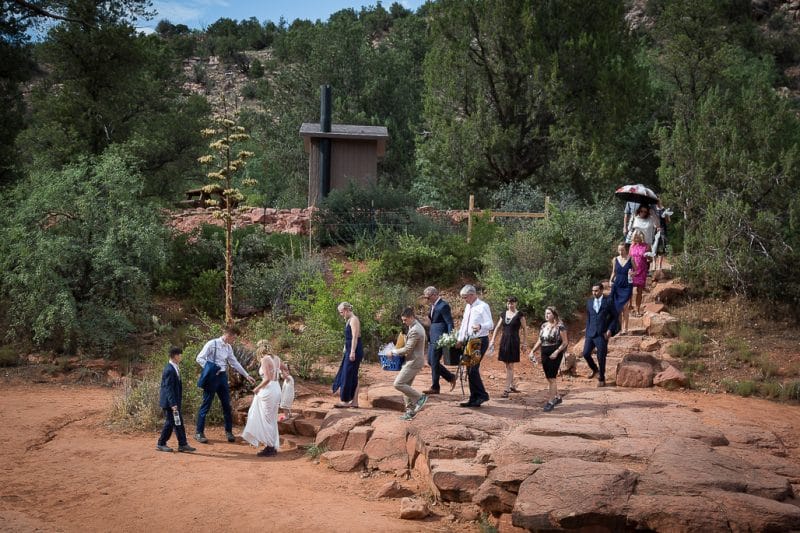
[(636, 196)]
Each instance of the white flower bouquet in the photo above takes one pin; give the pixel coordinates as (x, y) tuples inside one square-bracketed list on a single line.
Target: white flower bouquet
[(447, 340)]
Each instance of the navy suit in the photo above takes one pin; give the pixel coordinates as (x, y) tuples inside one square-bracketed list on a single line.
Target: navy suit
[(441, 322), (597, 324), (169, 395)]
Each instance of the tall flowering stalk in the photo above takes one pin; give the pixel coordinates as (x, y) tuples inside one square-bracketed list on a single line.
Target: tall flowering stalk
[(227, 165)]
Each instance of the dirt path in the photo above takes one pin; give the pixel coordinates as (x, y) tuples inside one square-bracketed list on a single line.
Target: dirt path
[(62, 470)]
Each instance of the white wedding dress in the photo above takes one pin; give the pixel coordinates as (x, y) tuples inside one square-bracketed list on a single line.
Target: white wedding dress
[(262, 418)]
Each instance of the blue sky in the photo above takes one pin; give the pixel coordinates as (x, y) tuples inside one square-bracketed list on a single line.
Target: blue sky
[(201, 13)]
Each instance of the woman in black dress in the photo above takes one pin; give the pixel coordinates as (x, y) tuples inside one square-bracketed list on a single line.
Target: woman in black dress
[(511, 321), (553, 340)]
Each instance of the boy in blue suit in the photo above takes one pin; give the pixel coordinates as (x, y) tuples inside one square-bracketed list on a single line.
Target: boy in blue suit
[(169, 399)]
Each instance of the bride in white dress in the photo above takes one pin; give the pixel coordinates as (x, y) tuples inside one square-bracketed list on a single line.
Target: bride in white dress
[(262, 418)]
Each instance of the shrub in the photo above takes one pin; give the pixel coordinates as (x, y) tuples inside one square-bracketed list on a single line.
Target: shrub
[(78, 253), (377, 303), (555, 261), (272, 286), (208, 292), (9, 356), (690, 344), (740, 350), (791, 391)]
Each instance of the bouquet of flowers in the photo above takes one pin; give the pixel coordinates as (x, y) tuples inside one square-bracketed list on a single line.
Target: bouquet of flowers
[(447, 340)]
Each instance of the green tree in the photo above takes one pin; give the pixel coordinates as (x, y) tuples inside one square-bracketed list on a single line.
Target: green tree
[(228, 170), (511, 86), (78, 253)]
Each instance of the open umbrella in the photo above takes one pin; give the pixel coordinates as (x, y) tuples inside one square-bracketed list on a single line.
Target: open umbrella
[(636, 193)]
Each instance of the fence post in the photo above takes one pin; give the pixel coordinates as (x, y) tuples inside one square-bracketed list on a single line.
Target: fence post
[(469, 217), (546, 207)]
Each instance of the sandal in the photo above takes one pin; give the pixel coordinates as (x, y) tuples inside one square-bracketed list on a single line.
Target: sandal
[(505, 393), (512, 389), (548, 406)]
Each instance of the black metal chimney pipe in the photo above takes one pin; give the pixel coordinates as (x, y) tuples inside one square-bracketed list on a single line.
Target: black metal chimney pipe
[(324, 143)]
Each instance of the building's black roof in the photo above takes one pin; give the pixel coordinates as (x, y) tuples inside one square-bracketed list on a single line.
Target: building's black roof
[(344, 131)]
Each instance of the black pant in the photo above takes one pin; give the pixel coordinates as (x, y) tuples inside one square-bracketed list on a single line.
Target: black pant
[(219, 388), (477, 392), (437, 368), (169, 424), (601, 344)]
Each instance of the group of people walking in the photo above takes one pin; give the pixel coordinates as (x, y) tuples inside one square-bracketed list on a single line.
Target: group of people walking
[(605, 316), (477, 325), (262, 418)]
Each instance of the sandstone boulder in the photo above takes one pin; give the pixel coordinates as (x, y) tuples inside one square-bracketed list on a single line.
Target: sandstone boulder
[(336, 426), (555, 496), (634, 374), (624, 343), (650, 344), (386, 397), (393, 489), (386, 449), (663, 324), (499, 492), (697, 468), (456, 480), (413, 509), (344, 461), (671, 378), (668, 292)]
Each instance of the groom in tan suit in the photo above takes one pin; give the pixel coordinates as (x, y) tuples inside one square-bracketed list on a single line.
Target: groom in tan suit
[(414, 351)]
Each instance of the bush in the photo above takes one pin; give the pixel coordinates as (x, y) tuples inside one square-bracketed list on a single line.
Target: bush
[(78, 253), (555, 261), (272, 286), (690, 344), (9, 356), (208, 292), (377, 303)]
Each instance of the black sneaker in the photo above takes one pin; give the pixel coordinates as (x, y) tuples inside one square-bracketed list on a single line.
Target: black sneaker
[(230, 436), (557, 400), (269, 451), (186, 448), (200, 437), (548, 406), (162, 448)]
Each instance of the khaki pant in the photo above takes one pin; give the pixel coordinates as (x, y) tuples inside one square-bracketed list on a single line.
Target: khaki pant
[(405, 378)]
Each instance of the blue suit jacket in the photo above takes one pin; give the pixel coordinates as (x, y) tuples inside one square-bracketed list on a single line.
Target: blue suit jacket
[(171, 391), (598, 323), (441, 321)]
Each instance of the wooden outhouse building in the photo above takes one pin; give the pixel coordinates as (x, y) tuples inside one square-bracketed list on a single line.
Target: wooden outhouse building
[(354, 155)]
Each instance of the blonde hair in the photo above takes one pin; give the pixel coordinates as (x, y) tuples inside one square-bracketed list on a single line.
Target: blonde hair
[(344, 305), (637, 234)]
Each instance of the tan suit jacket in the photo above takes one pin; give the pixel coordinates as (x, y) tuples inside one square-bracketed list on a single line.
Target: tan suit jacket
[(414, 350)]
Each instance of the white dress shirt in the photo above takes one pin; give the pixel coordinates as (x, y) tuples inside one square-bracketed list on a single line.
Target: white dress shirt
[(177, 370), (477, 313), (223, 357)]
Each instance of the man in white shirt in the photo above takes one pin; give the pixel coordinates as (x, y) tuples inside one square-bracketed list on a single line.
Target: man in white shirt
[(477, 322), (220, 352)]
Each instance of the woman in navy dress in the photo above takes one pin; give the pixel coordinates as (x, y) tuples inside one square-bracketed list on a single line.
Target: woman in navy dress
[(621, 286), (346, 381)]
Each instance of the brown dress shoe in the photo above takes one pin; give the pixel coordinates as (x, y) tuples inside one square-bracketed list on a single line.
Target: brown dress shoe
[(430, 391)]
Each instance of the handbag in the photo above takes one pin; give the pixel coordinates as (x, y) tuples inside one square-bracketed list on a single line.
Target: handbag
[(472, 353), (210, 369)]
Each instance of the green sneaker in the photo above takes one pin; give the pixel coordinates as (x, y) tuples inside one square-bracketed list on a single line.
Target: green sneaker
[(420, 403), (408, 416)]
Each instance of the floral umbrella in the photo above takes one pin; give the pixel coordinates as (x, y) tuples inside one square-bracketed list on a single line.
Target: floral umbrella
[(636, 193)]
